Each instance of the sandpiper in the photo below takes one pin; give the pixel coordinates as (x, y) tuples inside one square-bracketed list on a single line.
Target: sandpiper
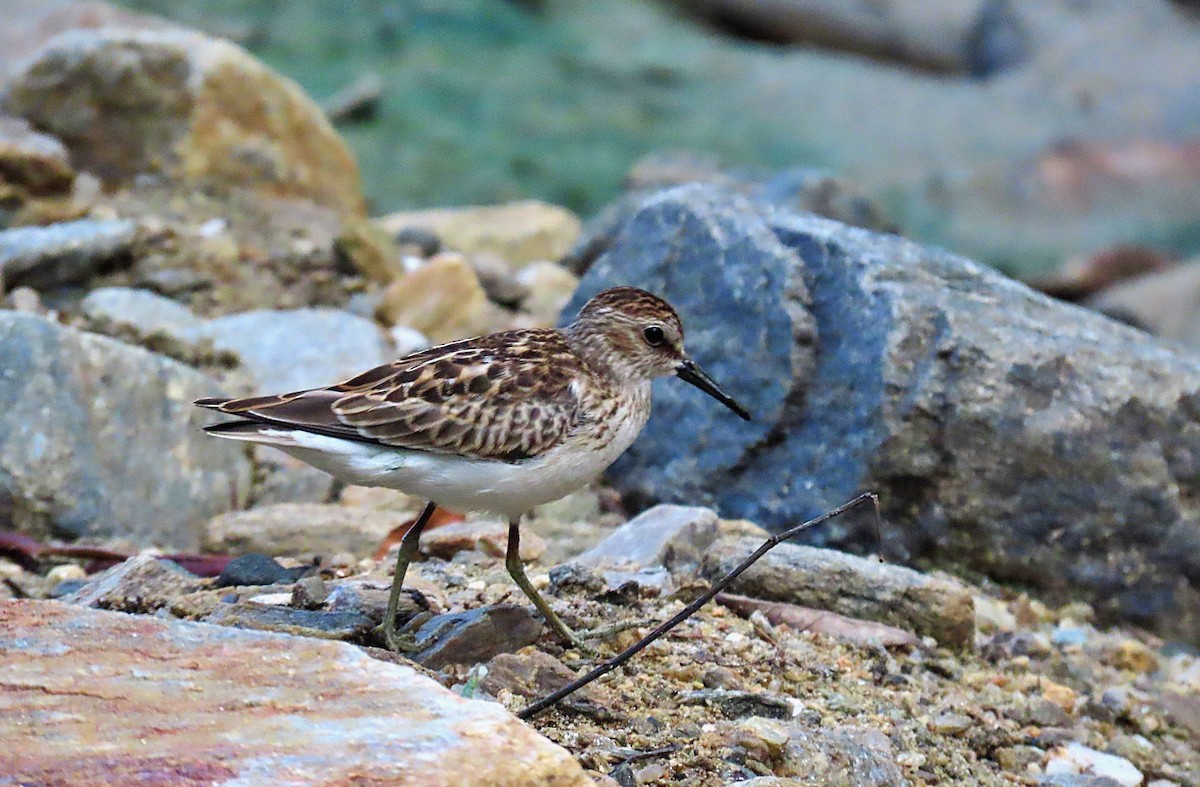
[(498, 423)]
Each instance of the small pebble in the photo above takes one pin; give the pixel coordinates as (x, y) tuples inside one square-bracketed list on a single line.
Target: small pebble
[(718, 677), (342, 561), (951, 723), (1133, 656), (651, 773), (1062, 696), (645, 725), (67, 572), (309, 593), (1116, 700), (419, 241), (772, 734), (1077, 758), (1018, 758), (272, 599), (1065, 636), (256, 569)]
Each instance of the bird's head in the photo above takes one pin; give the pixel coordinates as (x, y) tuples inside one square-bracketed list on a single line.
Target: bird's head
[(636, 335)]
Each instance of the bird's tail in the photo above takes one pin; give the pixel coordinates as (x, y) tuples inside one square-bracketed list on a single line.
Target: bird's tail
[(253, 432)]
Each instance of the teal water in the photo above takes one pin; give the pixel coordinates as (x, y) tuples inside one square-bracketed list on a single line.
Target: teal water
[(487, 100)]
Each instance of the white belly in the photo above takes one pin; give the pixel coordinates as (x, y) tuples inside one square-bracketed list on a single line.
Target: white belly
[(462, 483)]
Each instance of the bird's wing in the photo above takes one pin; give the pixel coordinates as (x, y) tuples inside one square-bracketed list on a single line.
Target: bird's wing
[(507, 396)]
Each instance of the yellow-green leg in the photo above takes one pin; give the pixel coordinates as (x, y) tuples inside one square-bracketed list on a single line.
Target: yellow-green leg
[(408, 550), (516, 570)]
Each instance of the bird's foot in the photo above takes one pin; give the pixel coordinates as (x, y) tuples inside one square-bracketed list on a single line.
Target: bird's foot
[(578, 639), (611, 630), (403, 640), (572, 638)]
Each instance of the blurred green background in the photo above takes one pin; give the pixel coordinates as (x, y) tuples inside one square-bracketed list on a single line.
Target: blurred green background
[(1055, 128), (487, 101)]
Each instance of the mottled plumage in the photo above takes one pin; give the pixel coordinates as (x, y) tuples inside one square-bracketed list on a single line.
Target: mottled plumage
[(507, 396), (497, 423)]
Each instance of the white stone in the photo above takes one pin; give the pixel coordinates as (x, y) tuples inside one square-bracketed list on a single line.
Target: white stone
[(1077, 758)]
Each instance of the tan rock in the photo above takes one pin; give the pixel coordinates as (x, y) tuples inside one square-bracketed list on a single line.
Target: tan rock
[(32, 164), (738, 528), (550, 287), (484, 535), (222, 705), (1164, 302), (142, 583), (521, 232), (992, 615), (442, 299), (530, 673), (207, 112), (370, 251), (925, 604), (301, 529), (1131, 655), (1062, 696)]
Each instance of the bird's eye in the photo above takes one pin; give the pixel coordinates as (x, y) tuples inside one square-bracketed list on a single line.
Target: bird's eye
[(654, 335)]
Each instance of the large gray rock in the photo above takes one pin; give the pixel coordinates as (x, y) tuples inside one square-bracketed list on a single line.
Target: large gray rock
[(853, 586), (99, 438), (144, 311), (674, 537), (64, 253), (290, 349), (1005, 431)]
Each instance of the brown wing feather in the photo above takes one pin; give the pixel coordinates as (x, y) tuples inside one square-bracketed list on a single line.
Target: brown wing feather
[(507, 396)]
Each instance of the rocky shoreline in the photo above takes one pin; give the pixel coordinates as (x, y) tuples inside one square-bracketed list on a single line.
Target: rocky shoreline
[(175, 609)]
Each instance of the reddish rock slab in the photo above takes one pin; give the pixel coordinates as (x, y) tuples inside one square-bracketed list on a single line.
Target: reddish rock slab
[(103, 698)]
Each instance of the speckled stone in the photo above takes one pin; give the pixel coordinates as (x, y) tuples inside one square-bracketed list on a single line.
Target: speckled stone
[(143, 310), (99, 438), (109, 699), (675, 537), (63, 253), (849, 585)]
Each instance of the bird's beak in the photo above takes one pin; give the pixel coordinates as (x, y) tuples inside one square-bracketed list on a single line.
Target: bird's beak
[(689, 372)]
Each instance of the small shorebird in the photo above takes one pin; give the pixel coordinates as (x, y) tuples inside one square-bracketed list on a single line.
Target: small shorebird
[(499, 423)]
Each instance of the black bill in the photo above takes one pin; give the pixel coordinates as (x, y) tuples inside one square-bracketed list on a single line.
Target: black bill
[(689, 372)]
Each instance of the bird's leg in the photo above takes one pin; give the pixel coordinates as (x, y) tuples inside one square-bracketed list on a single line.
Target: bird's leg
[(408, 550), (516, 570)]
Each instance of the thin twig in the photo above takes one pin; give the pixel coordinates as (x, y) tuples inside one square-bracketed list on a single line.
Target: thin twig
[(652, 753), (549, 700)]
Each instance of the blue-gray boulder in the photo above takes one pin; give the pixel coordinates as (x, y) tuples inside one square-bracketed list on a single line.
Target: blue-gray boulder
[(1006, 433)]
